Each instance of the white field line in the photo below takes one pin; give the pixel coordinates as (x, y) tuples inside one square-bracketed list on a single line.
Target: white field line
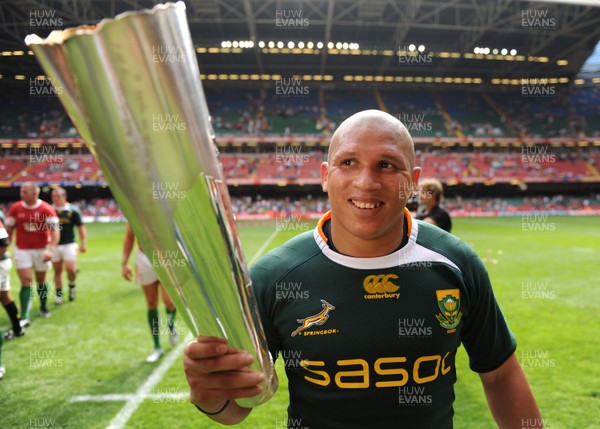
[(263, 247), (115, 397), (144, 390)]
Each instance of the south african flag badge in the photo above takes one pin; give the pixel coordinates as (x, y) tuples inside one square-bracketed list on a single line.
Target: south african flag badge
[(449, 303)]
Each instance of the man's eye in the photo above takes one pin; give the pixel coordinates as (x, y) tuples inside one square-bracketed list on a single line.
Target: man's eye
[(386, 165), (348, 162)]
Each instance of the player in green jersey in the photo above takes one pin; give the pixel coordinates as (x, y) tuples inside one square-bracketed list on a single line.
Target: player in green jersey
[(65, 256), (380, 304)]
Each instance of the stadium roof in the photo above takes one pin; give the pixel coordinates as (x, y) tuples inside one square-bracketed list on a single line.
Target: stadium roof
[(459, 38)]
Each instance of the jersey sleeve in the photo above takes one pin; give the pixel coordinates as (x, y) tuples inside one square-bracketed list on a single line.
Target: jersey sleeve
[(11, 216), (485, 334), (77, 218), (265, 300), (51, 216)]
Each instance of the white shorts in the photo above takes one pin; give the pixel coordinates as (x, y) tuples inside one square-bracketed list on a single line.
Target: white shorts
[(31, 258), (65, 252), (5, 266), (145, 274)]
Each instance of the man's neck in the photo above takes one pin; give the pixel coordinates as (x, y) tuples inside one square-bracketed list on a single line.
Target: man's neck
[(365, 249)]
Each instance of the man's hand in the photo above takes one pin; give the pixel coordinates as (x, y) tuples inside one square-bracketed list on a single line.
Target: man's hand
[(216, 374), (49, 253), (126, 271)]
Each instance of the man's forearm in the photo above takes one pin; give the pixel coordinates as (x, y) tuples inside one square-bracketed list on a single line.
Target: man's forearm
[(54, 237), (510, 398), (9, 230)]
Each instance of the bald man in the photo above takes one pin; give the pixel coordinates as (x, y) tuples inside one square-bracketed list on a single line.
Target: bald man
[(386, 302), (37, 231)]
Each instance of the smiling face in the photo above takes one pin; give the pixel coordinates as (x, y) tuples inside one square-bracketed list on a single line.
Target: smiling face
[(369, 176)]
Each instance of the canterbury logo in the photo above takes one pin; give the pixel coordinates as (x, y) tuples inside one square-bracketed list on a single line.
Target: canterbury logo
[(317, 320), (380, 283)]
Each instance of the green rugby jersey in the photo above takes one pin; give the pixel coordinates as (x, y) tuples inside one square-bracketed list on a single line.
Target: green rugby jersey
[(69, 216), (371, 342)]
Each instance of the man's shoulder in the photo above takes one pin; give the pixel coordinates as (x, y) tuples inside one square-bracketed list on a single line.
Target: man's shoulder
[(18, 205), (286, 257), (445, 243), (47, 208)]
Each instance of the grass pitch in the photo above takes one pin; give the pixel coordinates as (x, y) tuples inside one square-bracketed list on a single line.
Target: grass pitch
[(544, 271)]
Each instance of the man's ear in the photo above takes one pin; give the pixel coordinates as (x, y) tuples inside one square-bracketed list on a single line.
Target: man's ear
[(416, 174), (324, 170)]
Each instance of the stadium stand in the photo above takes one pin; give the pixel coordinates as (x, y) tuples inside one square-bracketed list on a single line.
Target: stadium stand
[(473, 138)]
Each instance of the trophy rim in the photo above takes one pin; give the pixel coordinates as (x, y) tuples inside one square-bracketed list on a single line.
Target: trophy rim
[(58, 37)]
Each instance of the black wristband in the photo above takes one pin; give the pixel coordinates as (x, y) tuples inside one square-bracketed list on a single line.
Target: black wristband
[(218, 412)]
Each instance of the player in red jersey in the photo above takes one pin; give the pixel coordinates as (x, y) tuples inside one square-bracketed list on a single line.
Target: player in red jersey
[(37, 231)]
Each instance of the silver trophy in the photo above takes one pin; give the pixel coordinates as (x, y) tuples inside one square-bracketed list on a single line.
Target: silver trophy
[(131, 86)]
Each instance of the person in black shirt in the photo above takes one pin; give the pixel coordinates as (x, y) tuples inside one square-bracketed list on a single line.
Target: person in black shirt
[(431, 193)]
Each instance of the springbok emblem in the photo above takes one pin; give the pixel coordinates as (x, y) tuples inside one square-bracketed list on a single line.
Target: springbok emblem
[(318, 319)]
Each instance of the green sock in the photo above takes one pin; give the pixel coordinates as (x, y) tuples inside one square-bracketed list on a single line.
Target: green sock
[(154, 327), (13, 314), (25, 298), (171, 319), (42, 289)]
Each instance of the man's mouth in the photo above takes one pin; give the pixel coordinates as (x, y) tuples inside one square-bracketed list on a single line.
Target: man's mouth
[(365, 205)]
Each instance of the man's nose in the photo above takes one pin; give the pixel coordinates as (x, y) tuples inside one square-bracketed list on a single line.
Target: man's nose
[(367, 179)]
